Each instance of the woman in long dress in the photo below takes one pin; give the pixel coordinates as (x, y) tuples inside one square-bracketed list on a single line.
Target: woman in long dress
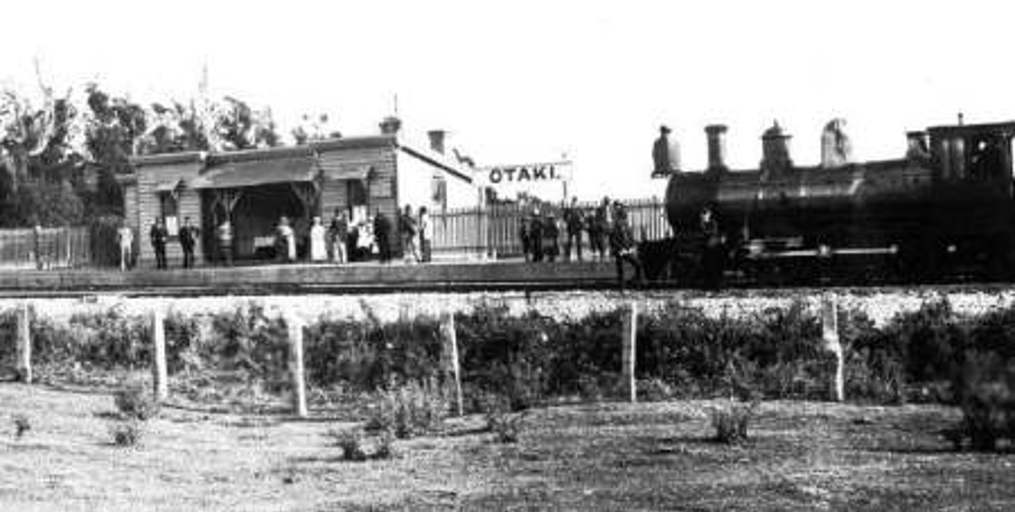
[(318, 243), (287, 240)]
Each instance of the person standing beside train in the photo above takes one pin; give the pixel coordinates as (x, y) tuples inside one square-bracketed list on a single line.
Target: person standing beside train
[(551, 235), (602, 220), (574, 220), (623, 246), (712, 256), (536, 236)]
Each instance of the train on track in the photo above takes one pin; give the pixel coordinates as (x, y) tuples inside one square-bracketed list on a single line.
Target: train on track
[(945, 209)]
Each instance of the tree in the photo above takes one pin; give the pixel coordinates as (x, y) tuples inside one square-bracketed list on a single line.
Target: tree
[(313, 128), (114, 134), (240, 127)]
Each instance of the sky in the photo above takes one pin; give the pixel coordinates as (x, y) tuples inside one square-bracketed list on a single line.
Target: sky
[(527, 81)]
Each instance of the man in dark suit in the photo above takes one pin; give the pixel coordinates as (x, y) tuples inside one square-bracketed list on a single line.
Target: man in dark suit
[(158, 235), (188, 238), (382, 235)]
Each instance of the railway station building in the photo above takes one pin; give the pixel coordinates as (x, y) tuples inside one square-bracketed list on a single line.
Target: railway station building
[(359, 175)]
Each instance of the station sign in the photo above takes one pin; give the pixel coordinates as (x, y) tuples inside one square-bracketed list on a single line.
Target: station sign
[(531, 178)]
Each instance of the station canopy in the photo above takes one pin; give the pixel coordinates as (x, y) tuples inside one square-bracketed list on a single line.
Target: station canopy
[(257, 172)]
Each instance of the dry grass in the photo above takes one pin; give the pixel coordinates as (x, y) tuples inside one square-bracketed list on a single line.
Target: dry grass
[(801, 456)]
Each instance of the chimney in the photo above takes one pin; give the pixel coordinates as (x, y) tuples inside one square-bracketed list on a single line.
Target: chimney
[(390, 125), (716, 134), (437, 140)]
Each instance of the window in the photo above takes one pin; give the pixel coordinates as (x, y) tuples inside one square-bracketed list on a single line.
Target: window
[(439, 192), (169, 211), (356, 192)]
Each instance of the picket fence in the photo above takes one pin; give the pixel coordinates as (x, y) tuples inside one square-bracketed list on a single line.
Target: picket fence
[(492, 232), (61, 247)]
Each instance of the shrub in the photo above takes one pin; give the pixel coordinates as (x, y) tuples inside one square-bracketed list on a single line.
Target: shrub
[(134, 403), (350, 441), (654, 389), (409, 410), (505, 426), (385, 446), (366, 355), (505, 354), (21, 425), (251, 341), (127, 433), (986, 391), (182, 341), (731, 423)]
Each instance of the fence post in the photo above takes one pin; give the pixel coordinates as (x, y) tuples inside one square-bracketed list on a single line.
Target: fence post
[(830, 335), (299, 394), (451, 348), (24, 347), (161, 372), (630, 327)]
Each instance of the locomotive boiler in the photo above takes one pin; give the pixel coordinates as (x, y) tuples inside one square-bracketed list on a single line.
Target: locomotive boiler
[(945, 208)]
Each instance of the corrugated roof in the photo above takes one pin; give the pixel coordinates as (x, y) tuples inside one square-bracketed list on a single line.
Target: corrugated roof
[(257, 172)]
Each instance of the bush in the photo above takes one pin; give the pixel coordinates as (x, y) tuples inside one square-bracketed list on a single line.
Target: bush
[(134, 403), (509, 355), (986, 391), (385, 446), (366, 355), (409, 410), (127, 433), (731, 423), (654, 390), (21, 425), (505, 426), (350, 441)]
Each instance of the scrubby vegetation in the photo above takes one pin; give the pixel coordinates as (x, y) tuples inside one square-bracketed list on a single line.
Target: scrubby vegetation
[(932, 354), (134, 403)]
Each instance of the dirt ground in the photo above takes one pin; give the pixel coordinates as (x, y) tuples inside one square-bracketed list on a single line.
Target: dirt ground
[(802, 456)]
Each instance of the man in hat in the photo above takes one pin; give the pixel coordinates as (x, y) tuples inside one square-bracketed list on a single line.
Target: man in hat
[(623, 245), (661, 156), (574, 220)]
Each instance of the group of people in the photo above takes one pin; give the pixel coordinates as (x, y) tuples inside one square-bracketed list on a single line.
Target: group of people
[(607, 227), (343, 241)]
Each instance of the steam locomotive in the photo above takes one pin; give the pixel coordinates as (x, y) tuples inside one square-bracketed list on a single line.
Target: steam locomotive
[(945, 209)]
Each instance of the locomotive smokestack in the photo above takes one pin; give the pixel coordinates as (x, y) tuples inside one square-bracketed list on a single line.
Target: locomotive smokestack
[(775, 159), (716, 134)]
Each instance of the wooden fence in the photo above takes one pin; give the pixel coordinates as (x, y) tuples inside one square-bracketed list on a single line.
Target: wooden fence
[(47, 248), (493, 231)]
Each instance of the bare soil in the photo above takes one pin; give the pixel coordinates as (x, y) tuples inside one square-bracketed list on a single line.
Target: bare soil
[(658, 456)]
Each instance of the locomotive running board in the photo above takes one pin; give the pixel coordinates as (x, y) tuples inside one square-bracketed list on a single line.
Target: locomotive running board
[(818, 253)]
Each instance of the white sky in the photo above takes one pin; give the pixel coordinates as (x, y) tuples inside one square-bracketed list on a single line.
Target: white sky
[(517, 81)]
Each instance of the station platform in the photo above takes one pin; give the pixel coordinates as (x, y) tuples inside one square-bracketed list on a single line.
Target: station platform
[(311, 278)]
